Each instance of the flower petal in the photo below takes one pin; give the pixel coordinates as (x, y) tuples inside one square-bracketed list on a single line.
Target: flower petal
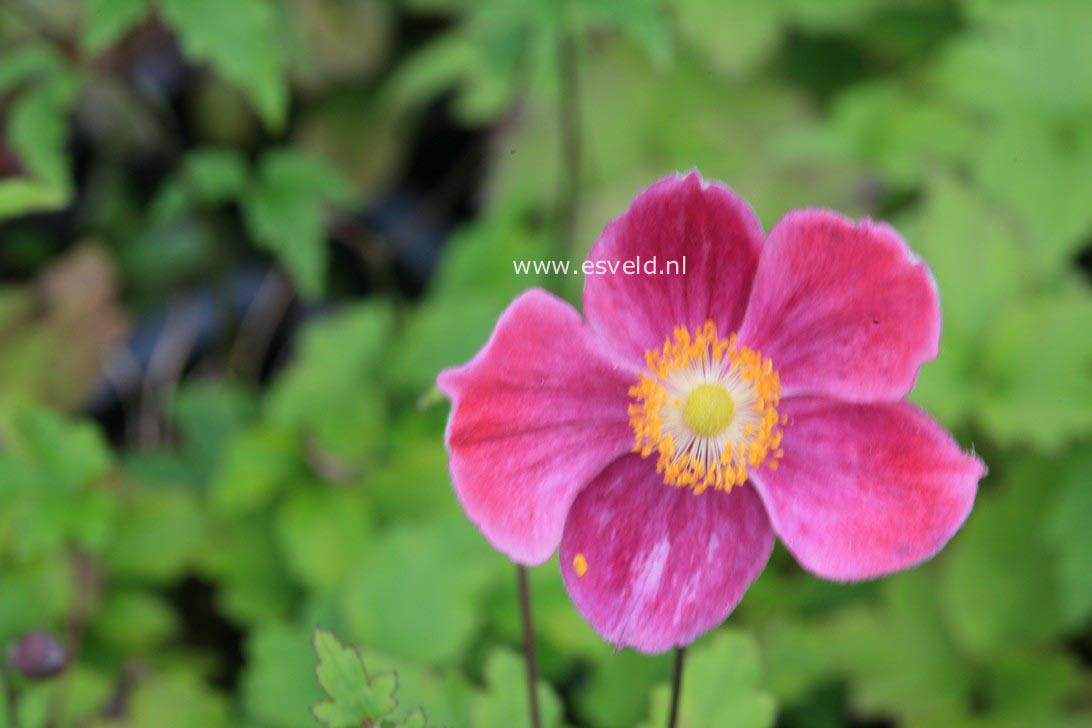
[(866, 489), (678, 217), (536, 415), (843, 310), (662, 565)]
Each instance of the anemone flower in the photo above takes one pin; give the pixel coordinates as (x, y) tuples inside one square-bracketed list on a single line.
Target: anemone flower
[(665, 439)]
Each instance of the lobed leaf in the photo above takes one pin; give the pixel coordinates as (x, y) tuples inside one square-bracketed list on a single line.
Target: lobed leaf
[(353, 696)]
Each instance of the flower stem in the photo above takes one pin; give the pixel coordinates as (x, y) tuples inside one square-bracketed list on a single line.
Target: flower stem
[(676, 688), (529, 644)]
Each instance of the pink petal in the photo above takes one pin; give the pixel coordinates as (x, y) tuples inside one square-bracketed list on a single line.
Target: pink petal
[(663, 565), (866, 489), (843, 310), (536, 415), (677, 217)]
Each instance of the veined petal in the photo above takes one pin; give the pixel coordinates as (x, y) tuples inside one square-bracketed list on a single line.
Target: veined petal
[(651, 566), (843, 310), (678, 217), (866, 489), (536, 415)]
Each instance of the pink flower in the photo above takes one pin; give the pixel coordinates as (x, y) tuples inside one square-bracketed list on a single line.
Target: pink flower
[(664, 441)]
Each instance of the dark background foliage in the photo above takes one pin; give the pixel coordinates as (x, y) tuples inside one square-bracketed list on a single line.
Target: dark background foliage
[(238, 239)]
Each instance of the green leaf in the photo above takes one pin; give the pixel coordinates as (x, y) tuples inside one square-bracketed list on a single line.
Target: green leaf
[(51, 485), (957, 231), (440, 335), (70, 452), (899, 654), (996, 592), (480, 59), (1022, 58), (255, 465), (337, 362), (284, 209), (830, 15), (215, 175), (722, 687), (504, 704), (239, 40), (1067, 530), (323, 532), (486, 57), (107, 21), (445, 693), (208, 416), (415, 594), (415, 719), (242, 557), (75, 700), (177, 699), (279, 685), (1033, 168), (474, 284), (29, 62), (134, 621), (796, 658), (734, 37), (157, 535), (1037, 360), (498, 46), (38, 125), (209, 176), (949, 388), (36, 594), (477, 261), (38, 128), (353, 695), (641, 20), (22, 196), (1033, 688), (606, 700), (893, 128), (415, 457)]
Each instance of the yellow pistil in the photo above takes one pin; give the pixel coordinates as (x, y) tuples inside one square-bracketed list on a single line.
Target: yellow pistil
[(708, 407)]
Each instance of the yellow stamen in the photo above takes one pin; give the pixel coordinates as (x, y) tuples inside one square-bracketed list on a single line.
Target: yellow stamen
[(708, 407), (580, 564)]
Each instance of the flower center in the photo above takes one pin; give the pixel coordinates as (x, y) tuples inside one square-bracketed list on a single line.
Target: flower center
[(708, 407), (708, 410)]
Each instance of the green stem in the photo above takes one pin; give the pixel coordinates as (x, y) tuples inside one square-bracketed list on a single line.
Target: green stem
[(529, 645), (676, 687)]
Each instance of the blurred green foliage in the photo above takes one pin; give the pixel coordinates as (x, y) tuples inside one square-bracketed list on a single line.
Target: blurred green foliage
[(186, 561)]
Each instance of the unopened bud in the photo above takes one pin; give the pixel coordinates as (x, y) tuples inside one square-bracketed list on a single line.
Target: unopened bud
[(38, 655)]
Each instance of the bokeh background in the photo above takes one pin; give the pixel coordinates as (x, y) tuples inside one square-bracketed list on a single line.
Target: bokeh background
[(239, 238)]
